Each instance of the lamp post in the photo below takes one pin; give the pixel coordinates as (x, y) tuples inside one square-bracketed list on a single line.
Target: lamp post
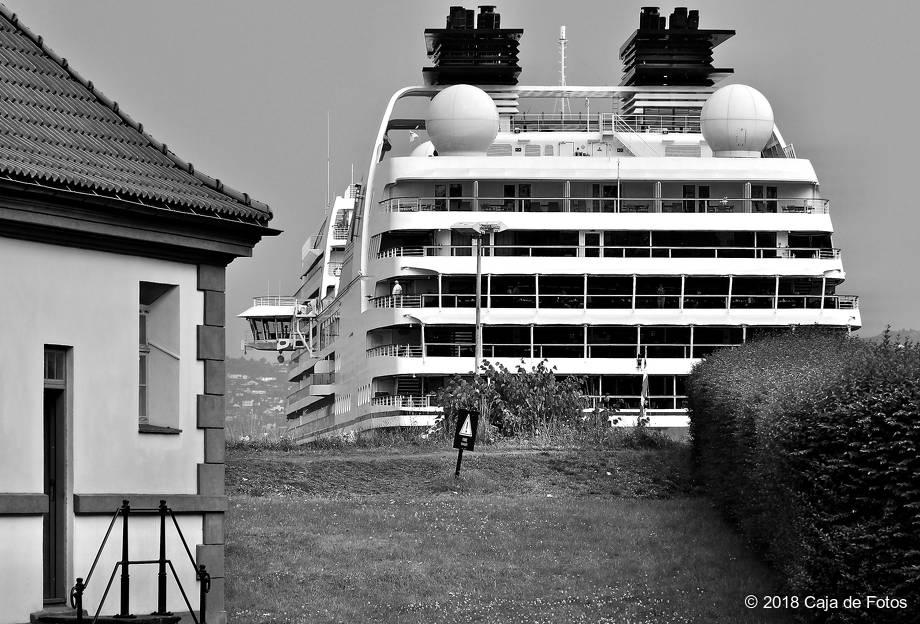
[(477, 231)]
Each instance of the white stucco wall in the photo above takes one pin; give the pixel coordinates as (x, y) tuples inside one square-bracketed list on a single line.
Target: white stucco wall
[(20, 568), (88, 300)]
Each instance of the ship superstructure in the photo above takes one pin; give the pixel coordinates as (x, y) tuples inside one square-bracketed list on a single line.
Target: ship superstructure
[(620, 244)]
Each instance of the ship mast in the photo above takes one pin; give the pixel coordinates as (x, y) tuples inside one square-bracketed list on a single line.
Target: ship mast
[(563, 103)]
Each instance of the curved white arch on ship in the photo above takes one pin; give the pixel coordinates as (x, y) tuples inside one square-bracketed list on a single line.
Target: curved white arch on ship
[(522, 91)]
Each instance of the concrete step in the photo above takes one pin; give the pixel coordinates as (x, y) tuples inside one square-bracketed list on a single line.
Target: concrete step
[(59, 615)]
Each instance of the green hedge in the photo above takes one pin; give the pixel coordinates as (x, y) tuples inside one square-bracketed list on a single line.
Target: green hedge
[(810, 444)]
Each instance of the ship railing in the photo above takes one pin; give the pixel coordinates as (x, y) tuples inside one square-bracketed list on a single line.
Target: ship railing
[(274, 301), (321, 379), (630, 402), (621, 350), (847, 302), (298, 395), (668, 300), (585, 122), (610, 251), (665, 205), (395, 350), (402, 400)]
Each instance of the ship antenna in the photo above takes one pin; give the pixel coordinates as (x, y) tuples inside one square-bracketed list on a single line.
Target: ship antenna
[(564, 106), (328, 157)]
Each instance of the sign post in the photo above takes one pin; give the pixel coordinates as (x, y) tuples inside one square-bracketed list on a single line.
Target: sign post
[(465, 435)]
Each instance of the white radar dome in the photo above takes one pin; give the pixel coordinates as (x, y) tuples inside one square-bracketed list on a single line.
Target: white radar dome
[(737, 122), (462, 121)]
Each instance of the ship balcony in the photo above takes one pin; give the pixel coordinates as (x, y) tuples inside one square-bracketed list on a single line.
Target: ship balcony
[(318, 385), (662, 411), (334, 269), (518, 351), (605, 251), (623, 302), (427, 403), (302, 362), (613, 205), (522, 299)]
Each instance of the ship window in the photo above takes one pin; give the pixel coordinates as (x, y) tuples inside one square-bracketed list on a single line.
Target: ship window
[(764, 198), (691, 191), (158, 358), (440, 190)]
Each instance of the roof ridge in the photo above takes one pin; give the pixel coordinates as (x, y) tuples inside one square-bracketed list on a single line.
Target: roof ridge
[(210, 182)]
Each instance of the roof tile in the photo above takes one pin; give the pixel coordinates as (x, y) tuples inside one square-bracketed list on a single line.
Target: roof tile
[(56, 127)]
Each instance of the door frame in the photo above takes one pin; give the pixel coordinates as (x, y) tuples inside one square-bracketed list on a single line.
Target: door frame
[(59, 388)]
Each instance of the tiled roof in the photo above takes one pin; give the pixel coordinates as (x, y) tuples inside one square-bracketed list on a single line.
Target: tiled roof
[(58, 130)]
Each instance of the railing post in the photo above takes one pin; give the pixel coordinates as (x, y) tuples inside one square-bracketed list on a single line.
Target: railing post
[(125, 610), (204, 587), (161, 573), (76, 599)]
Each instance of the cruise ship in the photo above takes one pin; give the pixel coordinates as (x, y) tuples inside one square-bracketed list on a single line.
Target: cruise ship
[(666, 218)]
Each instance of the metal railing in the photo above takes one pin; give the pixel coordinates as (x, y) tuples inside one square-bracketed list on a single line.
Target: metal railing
[(621, 301), (274, 301), (604, 251), (551, 350), (630, 402), (670, 205), (298, 395), (340, 232), (322, 379), (201, 573), (584, 122), (400, 400), (395, 350)]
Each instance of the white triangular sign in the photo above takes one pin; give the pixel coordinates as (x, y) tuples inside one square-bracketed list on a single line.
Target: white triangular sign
[(467, 428)]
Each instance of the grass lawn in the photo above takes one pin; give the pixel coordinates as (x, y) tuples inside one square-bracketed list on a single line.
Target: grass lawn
[(557, 536)]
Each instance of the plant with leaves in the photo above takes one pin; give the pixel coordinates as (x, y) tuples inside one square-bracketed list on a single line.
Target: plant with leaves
[(520, 402)]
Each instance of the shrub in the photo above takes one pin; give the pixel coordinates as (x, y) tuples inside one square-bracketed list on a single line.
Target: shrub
[(809, 443), (521, 403)]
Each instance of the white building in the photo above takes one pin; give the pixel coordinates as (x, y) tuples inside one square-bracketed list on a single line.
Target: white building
[(112, 260), (629, 239)]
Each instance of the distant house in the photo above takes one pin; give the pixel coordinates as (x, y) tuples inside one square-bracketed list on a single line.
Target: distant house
[(112, 264)]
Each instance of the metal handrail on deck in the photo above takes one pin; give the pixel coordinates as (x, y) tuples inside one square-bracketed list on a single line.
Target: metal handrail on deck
[(274, 301), (582, 122), (670, 205), (395, 350), (613, 251), (624, 300), (201, 573), (401, 400)]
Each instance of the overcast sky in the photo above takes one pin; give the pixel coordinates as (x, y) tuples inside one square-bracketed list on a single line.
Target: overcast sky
[(242, 90)]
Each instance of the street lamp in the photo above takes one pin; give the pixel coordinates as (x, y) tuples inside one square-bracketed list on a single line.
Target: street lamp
[(477, 231)]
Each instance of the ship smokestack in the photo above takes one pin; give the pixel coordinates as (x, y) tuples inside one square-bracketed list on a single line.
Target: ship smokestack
[(480, 54)]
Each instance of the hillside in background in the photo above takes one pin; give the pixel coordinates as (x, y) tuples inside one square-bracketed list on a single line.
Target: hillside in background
[(898, 336), (256, 391)]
